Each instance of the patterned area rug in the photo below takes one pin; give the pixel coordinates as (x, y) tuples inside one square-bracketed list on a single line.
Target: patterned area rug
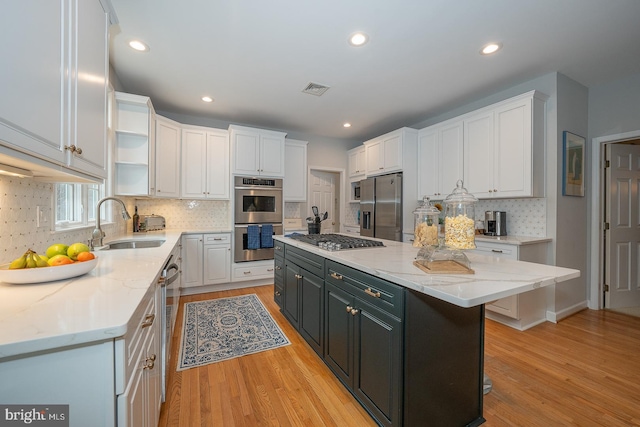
[(225, 328)]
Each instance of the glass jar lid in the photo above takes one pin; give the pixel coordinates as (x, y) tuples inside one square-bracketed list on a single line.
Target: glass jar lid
[(460, 195), (426, 208)]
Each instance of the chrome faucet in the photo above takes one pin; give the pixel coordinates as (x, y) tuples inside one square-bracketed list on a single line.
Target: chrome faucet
[(98, 234)]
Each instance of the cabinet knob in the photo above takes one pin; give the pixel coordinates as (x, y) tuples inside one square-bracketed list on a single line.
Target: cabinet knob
[(148, 320), (349, 308), (298, 276), (277, 293), (73, 149), (354, 311), (278, 267), (150, 362)]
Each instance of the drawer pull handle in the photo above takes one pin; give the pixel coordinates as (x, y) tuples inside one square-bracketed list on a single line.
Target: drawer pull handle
[(336, 276), (368, 291), (150, 362), (278, 248), (246, 272), (498, 251), (217, 238), (269, 269), (148, 320), (297, 276)]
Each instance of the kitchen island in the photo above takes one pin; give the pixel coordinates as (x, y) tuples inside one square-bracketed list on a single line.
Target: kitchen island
[(407, 344)]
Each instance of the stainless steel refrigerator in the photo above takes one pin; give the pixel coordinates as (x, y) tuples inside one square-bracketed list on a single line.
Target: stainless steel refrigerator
[(381, 207)]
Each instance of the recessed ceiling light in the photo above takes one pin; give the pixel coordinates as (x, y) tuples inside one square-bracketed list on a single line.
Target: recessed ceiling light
[(139, 46), (347, 125), (490, 48), (358, 39), (207, 99)]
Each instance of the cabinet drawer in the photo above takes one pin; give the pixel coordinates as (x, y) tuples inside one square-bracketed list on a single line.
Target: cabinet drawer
[(217, 239), (377, 292), (506, 306), (129, 347), (253, 272), (278, 248), (278, 266), (497, 249), (313, 263)]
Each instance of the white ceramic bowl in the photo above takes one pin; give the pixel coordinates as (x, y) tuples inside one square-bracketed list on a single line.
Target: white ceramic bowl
[(46, 274)]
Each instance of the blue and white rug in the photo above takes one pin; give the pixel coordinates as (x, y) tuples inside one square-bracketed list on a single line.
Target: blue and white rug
[(225, 328)]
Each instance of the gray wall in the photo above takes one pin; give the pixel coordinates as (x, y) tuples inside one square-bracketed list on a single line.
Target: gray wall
[(614, 107), (571, 212)]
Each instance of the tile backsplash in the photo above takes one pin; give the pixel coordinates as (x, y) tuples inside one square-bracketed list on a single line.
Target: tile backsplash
[(525, 217), (19, 199), (187, 214)]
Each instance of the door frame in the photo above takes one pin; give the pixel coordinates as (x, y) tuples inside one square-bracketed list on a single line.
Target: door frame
[(342, 195), (596, 271)]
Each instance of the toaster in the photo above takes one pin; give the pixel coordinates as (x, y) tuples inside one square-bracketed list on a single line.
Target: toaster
[(152, 223)]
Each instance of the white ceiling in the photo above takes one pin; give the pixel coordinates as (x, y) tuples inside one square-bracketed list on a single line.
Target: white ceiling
[(254, 57)]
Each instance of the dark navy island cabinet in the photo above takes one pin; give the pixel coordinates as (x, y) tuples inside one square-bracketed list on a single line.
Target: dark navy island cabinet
[(408, 358)]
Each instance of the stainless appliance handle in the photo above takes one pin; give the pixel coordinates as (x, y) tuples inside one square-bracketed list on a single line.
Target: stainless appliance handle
[(259, 188)]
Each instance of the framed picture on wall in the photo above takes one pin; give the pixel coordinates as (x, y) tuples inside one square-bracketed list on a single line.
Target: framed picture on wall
[(573, 164)]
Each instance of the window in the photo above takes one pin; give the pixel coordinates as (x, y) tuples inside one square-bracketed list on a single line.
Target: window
[(75, 204)]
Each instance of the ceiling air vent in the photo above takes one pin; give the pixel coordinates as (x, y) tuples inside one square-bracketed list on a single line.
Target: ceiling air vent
[(315, 89)]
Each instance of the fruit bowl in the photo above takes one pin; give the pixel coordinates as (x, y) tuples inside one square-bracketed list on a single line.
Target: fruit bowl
[(46, 274)]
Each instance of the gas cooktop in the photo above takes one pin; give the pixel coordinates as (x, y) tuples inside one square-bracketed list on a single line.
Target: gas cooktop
[(336, 242)]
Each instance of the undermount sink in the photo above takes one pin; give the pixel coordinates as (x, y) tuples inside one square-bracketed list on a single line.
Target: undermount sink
[(133, 244)]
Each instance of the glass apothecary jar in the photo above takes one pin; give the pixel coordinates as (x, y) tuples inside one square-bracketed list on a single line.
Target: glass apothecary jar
[(425, 224), (459, 220)]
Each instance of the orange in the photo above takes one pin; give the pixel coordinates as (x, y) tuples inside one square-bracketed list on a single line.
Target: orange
[(59, 260), (85, 256)]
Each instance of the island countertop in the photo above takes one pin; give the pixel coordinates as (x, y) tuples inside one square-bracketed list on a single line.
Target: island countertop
[(494, 277)]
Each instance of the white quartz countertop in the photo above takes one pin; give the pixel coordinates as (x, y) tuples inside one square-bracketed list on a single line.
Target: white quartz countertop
[(494, 277), (89, 308)]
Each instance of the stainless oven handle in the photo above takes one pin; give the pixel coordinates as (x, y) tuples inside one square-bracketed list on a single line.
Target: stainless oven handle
[(167, 280), (259, 188)]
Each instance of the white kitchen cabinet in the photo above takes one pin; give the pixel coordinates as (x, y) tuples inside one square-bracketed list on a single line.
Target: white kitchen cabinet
[(254, 270), (440, 159), (217, 258), (54, 99), (205, 163), (192, 250), (167, 165), (357, 162), (525, 310), (387, 153), (134, 150), (295, 171), (206, 259), (257, 152), (504, 149), (139, 366)]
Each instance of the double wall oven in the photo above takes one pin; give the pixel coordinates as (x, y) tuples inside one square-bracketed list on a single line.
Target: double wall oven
[(258, 207)]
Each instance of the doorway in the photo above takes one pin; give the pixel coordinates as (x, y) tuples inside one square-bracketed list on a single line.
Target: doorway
[(324, 192), (615, 220)]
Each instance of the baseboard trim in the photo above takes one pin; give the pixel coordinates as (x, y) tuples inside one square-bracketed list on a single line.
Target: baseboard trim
[(225, 286), (556, 316)]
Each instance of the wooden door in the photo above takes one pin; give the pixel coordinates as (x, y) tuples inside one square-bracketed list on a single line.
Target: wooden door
[(323, 195), (623, 215)]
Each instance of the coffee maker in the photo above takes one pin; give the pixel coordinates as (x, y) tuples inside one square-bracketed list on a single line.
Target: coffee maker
[(495, 223)]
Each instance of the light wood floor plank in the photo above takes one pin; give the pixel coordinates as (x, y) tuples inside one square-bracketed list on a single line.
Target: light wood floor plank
[(583, 371)]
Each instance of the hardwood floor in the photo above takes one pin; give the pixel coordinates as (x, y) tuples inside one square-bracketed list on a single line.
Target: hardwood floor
[(583, 371)]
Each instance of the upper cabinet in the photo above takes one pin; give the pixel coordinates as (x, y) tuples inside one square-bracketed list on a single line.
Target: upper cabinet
[(205, 163), (385, 154), (134, 150), (357, 162), (440, 159), (295, 171), (54, 99), (167, 166), (257, 152), (504, 149)]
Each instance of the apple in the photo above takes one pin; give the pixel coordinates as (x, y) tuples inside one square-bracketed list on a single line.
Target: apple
[(75, 249), (59, 260), (57, 249)]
